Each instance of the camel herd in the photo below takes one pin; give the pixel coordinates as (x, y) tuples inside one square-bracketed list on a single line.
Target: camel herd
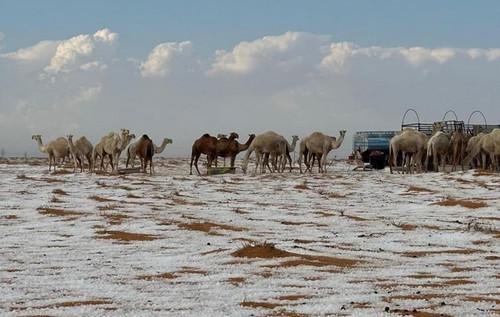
[(272, 150), (411, 149), (456, 148), (269, 147), (110, 146)]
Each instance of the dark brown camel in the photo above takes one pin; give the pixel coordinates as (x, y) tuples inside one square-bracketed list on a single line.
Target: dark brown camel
[(145, 151), (229, 147), (206, 144)]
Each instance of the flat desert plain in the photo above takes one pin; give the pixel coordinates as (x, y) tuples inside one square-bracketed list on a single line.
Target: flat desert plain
[(344, 243)]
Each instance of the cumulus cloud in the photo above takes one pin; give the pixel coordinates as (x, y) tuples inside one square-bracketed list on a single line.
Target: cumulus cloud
[(488, 54), (160, 59), (284, 50), (106, 36), (66, 55), (42, 51)]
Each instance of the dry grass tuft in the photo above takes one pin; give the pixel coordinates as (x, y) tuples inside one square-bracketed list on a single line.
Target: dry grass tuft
[(59, 191), (416, 189), (101, 199), (57, 212), (269, 251), (236, 281), (162, 276), (208, 227), (251, 304), (115, 219), (404, 226), (415, 254), (125, 236), (467, 203), (301, 186)]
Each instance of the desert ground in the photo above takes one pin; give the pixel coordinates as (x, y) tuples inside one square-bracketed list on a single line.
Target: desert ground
[(344, 243)]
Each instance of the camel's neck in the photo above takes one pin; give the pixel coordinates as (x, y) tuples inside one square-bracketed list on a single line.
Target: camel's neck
[(291, 148), (71, 145), (243, 147), (338, 142), (42, 148), (159, 149)]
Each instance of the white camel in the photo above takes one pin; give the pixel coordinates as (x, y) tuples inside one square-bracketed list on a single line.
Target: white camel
[(56, 150), (490, 144), (268, 143), (112, 145), (473, 151), (412, 144), (320, 145)]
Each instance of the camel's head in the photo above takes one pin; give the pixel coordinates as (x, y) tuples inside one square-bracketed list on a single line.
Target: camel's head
[(70, 137), (295, 138), (342, 133), (234, 135), (36, 137), (130, 137), (168, 141), (125, 131)]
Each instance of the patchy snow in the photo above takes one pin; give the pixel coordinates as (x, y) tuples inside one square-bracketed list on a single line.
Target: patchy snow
[(135, 245)]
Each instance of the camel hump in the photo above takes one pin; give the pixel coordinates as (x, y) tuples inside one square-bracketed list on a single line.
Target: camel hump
[(206, 135), (145, 137)]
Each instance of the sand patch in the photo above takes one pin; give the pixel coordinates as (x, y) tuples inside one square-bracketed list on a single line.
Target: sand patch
[(208, 227), (251, 304), (56, 212), (269, 251), (466, 203), (236, 281), (415, 254), (125, 236)]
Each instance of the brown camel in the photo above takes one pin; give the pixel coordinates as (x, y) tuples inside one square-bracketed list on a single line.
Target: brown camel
[(145, 151), (206, 144), (229, 147)]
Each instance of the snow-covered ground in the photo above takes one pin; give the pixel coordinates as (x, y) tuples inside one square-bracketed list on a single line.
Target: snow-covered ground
[(345, 243)]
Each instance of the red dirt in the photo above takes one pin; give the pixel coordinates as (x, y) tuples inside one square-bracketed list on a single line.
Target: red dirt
[(467, 203)]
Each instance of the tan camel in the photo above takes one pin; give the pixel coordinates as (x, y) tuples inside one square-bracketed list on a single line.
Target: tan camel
[(279, 163), (437, 147), (412, 144), (473, 151), (458, 143), (266, 143), (159, 149), (56, 150), (320, 145), (80, 150), (490, 144)]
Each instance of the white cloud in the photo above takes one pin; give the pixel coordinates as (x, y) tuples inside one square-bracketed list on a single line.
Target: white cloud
[(106, 36), (68, 52), (42, 51), (490, 54), (419, 55), (160, 59), (285, 50), (95, 65)]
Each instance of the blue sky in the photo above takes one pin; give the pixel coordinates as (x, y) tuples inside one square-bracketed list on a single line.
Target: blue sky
[(216, 24), (179, 69)]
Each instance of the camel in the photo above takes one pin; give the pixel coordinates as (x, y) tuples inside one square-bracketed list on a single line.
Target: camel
[(281, 160), (412, 144), (473, 151), (320, 145), (145, 151), (490, 144), (112, 145), (230, 147), (56, 150), (437, 147), (206, 144), (458, 144), (159, 149), (80, 150), (268, 143)]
